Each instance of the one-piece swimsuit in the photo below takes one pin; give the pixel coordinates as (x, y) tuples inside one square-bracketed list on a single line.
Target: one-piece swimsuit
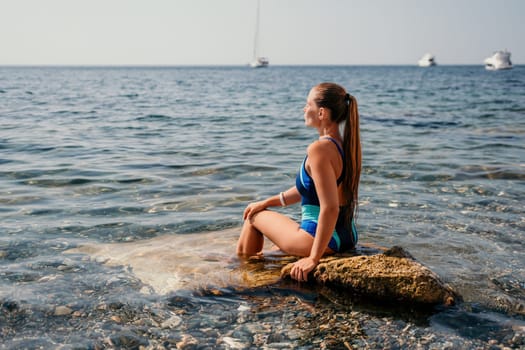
[(344, 236)]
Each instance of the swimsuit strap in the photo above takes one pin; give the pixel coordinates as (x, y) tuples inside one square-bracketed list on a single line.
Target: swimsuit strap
[(342, 157), (336, 144)]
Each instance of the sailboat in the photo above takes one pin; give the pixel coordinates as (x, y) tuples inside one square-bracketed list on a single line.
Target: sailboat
[(258, 61)]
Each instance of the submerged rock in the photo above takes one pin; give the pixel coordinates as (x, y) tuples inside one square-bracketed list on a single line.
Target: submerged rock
[(393, 275), (62, 311), (181, 262)]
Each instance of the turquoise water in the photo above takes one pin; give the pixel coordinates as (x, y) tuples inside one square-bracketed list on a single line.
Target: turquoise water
[(125, 154)]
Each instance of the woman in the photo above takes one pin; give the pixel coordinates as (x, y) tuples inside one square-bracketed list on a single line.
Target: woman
[(327, 186)]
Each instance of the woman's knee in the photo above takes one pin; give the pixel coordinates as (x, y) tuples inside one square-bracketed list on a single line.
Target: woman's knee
[(258, 221), (250, 241)]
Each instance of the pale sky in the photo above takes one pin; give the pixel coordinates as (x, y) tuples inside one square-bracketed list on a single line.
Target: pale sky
[(292, 32)]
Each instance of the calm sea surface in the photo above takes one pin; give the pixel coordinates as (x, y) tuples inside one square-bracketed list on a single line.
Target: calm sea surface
[(101, 155)]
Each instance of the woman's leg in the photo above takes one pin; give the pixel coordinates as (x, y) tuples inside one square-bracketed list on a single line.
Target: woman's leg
[(251, 241), (280, 229)]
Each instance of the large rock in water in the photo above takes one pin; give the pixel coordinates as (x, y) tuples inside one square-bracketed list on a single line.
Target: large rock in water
[(393, 275)]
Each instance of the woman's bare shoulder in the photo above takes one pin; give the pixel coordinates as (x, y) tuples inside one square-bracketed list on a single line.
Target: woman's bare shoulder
[(322, 148)]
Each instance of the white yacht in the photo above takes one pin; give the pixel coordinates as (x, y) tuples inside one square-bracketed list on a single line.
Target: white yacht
[(499, 60), (258, 61), (428, 60)]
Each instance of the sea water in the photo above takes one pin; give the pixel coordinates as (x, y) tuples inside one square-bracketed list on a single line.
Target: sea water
[(101, 155)]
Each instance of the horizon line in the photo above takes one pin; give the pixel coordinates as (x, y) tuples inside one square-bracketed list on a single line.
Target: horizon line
[(187, 65)]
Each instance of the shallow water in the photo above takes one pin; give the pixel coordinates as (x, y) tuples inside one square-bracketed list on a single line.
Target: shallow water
[(94, 156)]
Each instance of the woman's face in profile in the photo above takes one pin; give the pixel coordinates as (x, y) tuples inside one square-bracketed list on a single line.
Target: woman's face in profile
[(311, 111)]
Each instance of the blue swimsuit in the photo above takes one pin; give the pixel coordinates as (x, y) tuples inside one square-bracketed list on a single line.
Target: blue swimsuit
[(342, 239)]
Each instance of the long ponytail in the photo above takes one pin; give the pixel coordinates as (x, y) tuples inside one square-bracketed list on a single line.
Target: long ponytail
[(352, 150)]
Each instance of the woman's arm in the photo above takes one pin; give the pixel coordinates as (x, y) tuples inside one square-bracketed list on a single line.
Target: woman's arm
[(321, 166), (322, 170), (290, 196)]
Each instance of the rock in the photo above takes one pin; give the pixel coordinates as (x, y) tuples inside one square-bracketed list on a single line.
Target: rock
[(10, 305), (233, 343), (116, 319), (188, 341), (62, 311), (172, 322), (393, 275), (163, 268)]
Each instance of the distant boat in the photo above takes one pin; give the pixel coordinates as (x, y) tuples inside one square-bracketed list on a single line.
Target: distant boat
[(499, 60), (428, 60), (258, 61)]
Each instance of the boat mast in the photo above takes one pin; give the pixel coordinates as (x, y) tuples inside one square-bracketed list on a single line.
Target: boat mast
[(256, 39)]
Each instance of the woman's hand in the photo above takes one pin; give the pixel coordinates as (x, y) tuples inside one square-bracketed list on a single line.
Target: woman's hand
[(253, 208), (302, 268)]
